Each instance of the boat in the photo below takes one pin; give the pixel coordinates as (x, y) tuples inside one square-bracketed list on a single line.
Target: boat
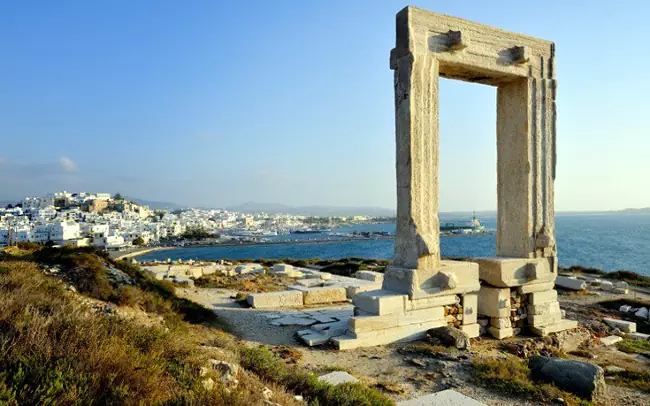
[(462, 227)]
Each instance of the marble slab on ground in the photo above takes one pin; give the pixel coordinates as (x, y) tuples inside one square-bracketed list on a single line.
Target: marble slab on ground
[(447, 397)]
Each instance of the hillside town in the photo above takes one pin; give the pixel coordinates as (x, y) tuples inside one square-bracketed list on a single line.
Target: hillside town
[(113, 222)]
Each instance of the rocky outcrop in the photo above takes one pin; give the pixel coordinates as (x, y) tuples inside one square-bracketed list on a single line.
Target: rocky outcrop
[(580, 378)]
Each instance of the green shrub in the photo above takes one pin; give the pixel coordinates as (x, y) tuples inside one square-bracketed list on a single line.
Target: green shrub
[(265, 364)]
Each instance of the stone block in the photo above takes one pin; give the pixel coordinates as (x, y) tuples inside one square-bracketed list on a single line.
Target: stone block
[(511, 272), (470, 309), (554, 327), (386, 336), (370, 276), (323, 295), (380, 302), (500, 322), (352, 290), (286, 298), (610, 340), (500, 333), (447, 397), (570, 283), (472, 330), (624, 326), (538, 298), (544, 308), (494, 302), (606, 285), (638, 336), (432, 301), (337, 378), (361, 324), (281, 268), (535, 287), (437, 281), (540, 320), (309, 283)]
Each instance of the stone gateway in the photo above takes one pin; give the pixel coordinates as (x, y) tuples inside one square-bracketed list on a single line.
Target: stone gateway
[(420, 291)]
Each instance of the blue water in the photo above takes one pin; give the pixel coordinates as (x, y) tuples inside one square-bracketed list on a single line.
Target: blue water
[(606, 241)]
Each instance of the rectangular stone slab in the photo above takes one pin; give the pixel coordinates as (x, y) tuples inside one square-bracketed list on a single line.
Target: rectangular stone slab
[(554, 328), (386, 336), (324, 295), (380, 302), (537, 298), (535, 287), (570, 283), (361, 324), (511, 272), (623, 325), (432, 301), (287, 298)]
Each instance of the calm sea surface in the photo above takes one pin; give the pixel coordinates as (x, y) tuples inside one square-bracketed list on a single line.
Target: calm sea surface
[(606, 241)]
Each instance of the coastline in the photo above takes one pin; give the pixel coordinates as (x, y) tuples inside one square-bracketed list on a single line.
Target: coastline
[(137, 252)]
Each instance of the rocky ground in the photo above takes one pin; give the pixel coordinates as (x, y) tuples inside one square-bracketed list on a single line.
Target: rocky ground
[(408, 370)]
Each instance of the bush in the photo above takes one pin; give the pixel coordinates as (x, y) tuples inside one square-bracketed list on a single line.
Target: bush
[(265, 364)]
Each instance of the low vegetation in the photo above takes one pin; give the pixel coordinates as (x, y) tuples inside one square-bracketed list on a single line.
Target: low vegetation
[(58, 348), (245, 283), (625, 276), (267, 365), (632, 379), (634, 346), (511, 376)]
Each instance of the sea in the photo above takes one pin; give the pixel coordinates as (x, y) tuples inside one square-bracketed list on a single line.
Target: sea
[(608, 241)]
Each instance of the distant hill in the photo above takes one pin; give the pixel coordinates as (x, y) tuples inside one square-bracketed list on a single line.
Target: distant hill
[(251, 207)]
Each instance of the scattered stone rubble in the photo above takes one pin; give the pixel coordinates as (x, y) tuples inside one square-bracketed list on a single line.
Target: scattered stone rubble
[(314, 288)]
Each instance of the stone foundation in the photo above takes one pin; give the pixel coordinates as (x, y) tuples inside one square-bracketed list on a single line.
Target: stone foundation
[(524, 299), (387, 315)]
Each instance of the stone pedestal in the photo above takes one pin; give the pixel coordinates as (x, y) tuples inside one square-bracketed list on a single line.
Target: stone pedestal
[(517, 294)]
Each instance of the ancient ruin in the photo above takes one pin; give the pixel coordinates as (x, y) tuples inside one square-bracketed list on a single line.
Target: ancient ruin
[(515, 289)]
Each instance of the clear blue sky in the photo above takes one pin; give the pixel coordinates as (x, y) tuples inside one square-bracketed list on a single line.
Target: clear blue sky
[(215, 103)]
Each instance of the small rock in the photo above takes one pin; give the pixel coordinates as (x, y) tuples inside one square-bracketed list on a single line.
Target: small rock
[(642, 313), (337, 378), (267, 393), (613, 369), (625, 308), (298, 398), (227, 371), (451, 337), (559, 401), (581, 378), (611, 340)]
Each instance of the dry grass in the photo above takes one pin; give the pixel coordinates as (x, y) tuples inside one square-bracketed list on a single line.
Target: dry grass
[(511, 376), (246, 283), (55, 349), (637, 379)]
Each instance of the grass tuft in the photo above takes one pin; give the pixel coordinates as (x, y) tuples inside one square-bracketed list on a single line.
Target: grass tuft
[(634, 346), (511, 376)]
